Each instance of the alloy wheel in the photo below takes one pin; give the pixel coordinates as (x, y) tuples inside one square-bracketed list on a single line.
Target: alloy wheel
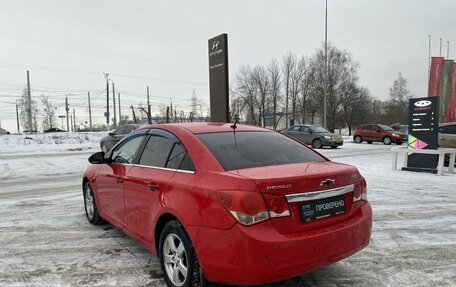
[(89, 202), (175, 259)]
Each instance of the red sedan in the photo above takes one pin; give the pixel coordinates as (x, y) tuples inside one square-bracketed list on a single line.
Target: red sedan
[(230, 204)]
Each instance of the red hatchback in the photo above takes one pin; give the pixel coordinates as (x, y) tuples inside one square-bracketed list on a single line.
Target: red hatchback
[(242, 205), (378, 133)]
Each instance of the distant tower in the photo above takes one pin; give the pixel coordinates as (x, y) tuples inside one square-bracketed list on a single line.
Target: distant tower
[(194, 104)]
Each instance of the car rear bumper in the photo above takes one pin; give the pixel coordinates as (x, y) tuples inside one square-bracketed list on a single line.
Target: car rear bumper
[(259, 254)]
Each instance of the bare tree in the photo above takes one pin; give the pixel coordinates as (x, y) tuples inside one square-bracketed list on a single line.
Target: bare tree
[(342, 78), (397, 106), (275, 79), (245, 87), (49, 119), (24, 114), (261, 78), (288, 66)]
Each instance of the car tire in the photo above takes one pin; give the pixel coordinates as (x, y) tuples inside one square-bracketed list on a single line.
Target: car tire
[(387, 140), (176, 255), (104, 149), (90, 205), (358, 139), (316, 143), (369, 142)]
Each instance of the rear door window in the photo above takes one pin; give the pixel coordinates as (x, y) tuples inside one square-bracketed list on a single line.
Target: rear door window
[(156, 151), (255, 149), (168, 152)]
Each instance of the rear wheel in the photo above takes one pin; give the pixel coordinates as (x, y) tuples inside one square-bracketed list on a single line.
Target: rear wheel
[(387, 140), (358, 139), (316, 143), (90, 205), (178, 259)]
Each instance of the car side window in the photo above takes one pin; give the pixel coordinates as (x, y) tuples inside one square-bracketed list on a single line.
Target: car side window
[(125, 153), (119, 130), (367, 128), (294, 129), (305, 130), (156, 151), (168, 152)]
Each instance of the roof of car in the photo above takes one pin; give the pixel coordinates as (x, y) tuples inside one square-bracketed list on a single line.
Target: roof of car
[(199, 128)]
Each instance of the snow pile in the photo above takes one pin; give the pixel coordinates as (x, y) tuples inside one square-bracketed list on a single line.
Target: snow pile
[(50, 142)]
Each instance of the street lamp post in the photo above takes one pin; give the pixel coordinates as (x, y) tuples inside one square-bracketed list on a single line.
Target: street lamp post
[(326, 67)]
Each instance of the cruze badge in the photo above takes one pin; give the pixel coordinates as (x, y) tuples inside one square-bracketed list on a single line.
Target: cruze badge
[(281, 186), (423, 103), (327, 182)]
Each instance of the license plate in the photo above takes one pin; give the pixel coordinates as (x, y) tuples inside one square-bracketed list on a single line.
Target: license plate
[(317, 209)]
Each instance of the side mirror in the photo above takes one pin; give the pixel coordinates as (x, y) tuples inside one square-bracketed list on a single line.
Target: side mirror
[(98, 158), (111, 134)]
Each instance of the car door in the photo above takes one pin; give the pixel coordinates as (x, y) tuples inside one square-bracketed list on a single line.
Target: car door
[(376, 133), (294, 132), (306, 134), (110, 179), (147, 180)]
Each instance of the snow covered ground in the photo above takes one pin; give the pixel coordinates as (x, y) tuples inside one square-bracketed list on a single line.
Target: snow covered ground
[(46, 241)]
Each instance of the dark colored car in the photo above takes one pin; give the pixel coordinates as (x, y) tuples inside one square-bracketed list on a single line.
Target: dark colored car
[(113, 138), (54, 130), (314, 135), (238, 208), (4, 132), (378, 133), (447, 137)]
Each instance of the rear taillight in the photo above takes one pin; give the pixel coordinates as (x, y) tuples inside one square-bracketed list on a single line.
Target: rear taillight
[(277, 205), (363, 194), (248, 207)]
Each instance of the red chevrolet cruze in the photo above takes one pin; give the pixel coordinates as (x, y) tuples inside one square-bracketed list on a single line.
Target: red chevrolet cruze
[(230, 204)]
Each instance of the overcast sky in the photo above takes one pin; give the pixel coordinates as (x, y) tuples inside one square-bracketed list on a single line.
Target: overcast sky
[(67, 45)]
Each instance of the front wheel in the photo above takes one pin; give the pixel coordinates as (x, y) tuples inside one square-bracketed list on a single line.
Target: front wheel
[(178, 260), (317, 143), (387, 140), (90, 205)]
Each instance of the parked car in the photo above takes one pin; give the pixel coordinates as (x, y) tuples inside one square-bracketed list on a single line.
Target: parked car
[(314, 135), (54, 130), (4, 132), (236, 206), (447, 137), (114, 137), (378, 133), (400, 128)]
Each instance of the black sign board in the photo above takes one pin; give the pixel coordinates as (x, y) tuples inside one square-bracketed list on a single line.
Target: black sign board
[(218, 78), (423, 133)]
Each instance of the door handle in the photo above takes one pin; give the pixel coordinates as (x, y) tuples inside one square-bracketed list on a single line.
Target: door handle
[(153, 187), (119, 180)]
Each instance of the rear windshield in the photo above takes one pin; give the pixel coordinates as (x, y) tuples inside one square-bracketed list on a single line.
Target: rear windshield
[(256, 149)]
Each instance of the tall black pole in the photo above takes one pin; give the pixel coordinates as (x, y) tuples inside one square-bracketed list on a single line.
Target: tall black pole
[(17, 117), (118, 103), (326, 67), (90, 112), (107, 101), (149, 118), (114, 105), (67, 116), (29, 104)]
